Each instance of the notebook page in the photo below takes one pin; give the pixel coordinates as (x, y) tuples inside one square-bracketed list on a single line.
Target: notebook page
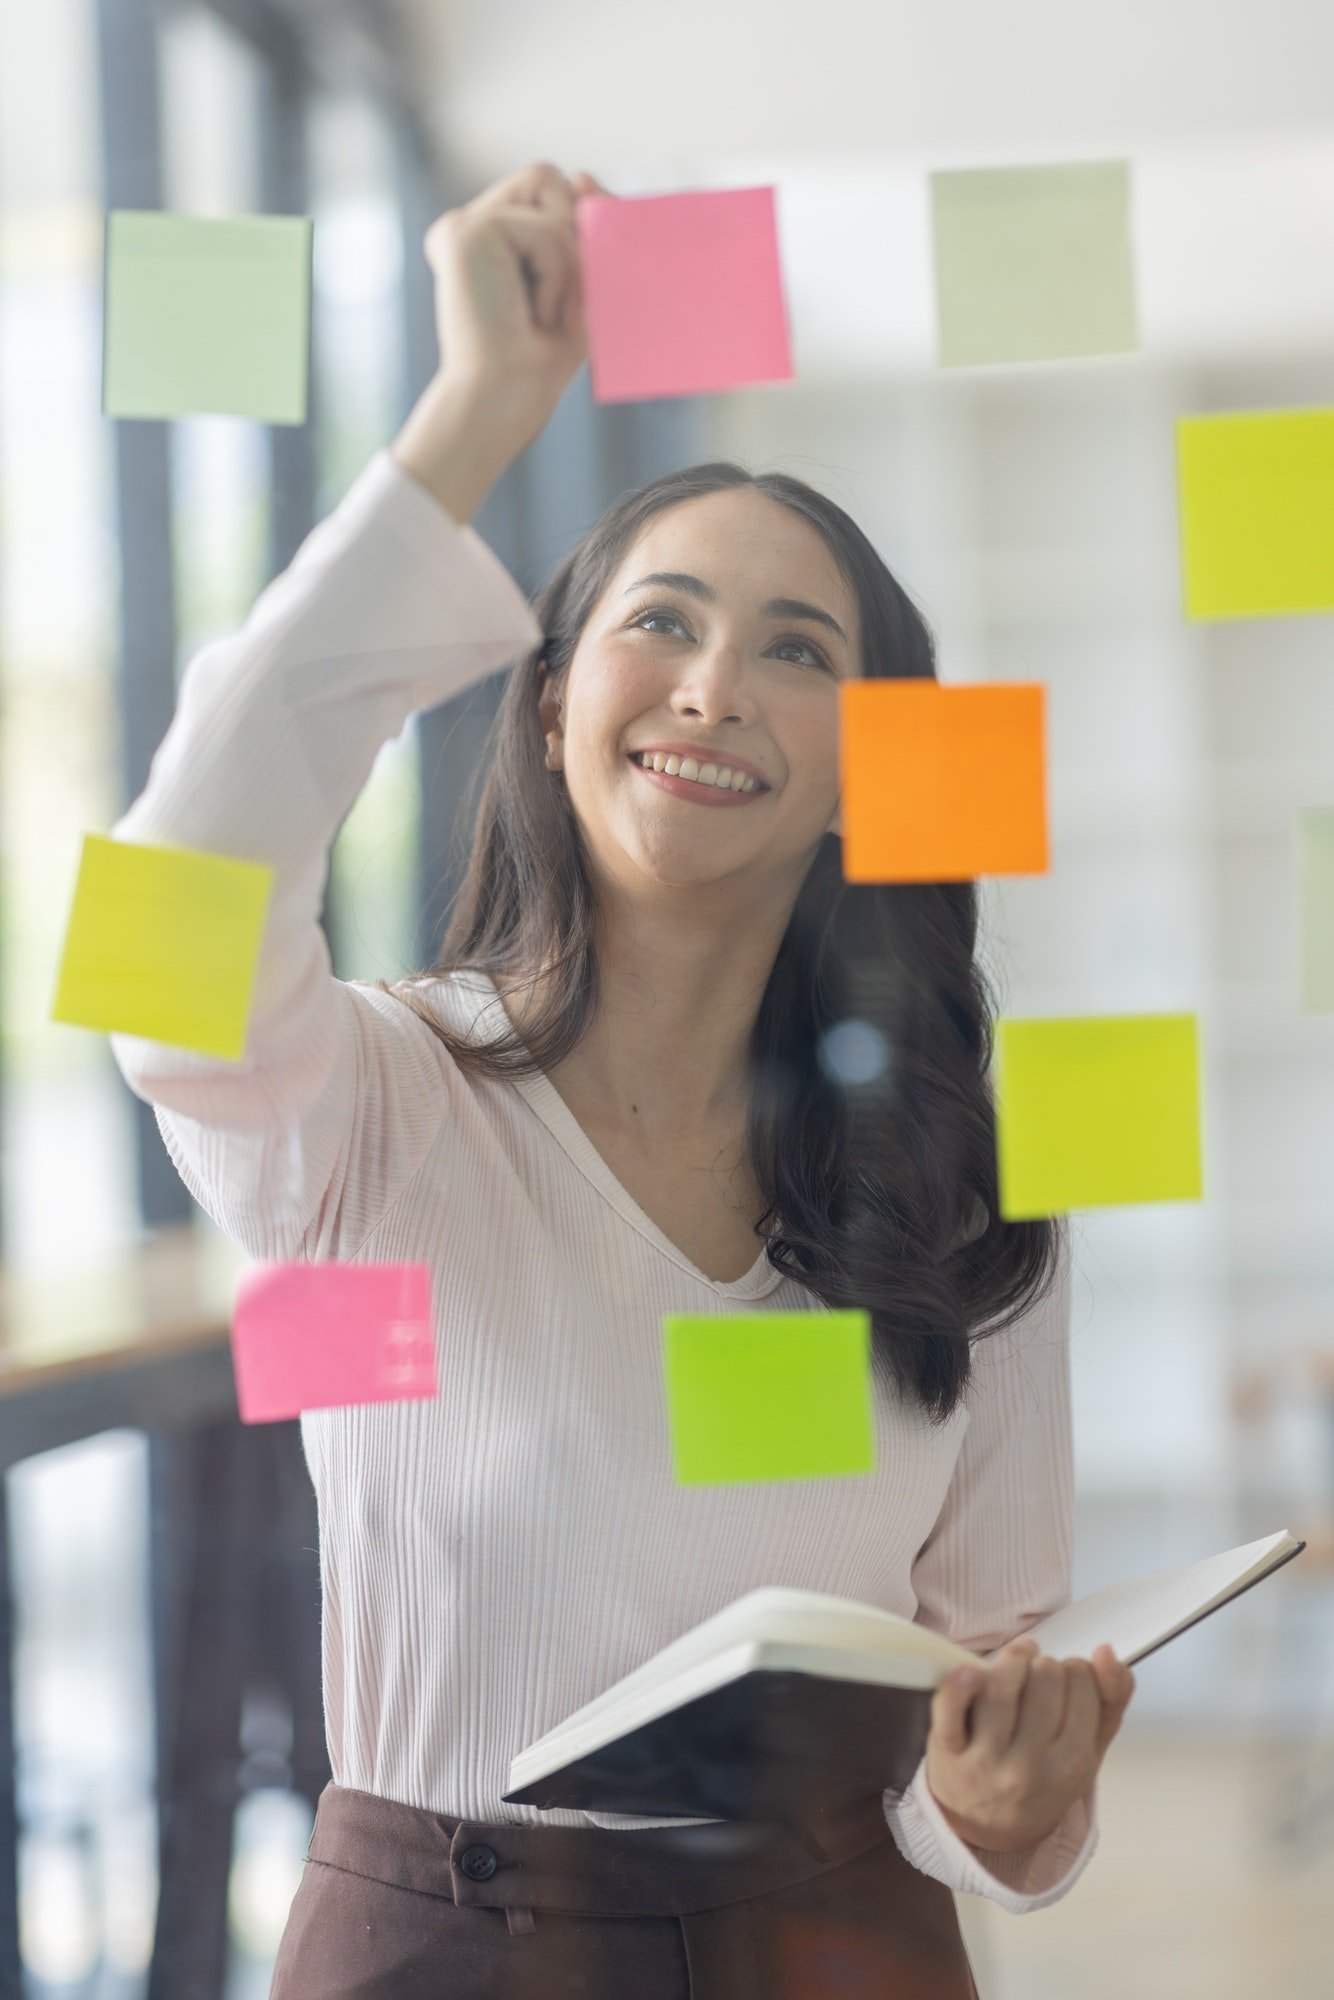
[(1138, 1613), (770, 1616)]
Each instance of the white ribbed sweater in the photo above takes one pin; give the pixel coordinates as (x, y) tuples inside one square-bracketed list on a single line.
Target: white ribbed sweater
[(496, 1557)]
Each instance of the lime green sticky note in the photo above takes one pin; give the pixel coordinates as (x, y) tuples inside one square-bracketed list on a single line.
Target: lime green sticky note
[(783, 1395), (206, 314), (1256, 492), (1033, 263), (163, 942), (1315, 880), (1096, 1110)]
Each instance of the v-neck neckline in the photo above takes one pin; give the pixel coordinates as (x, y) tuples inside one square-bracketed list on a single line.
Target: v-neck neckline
[(542, 1096)]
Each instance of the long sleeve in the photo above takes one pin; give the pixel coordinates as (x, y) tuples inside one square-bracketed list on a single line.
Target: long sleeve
[(998, 1560), (388, 607)]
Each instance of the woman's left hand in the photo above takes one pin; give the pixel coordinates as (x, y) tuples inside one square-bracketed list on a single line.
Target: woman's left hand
[(1007, 1756)]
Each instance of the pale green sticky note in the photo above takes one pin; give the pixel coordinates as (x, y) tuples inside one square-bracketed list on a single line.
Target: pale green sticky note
[(1096, 1110), (783, 1395), (163, 942), (206, 315), (1033, 263), (1257, 499), (1315, 879)]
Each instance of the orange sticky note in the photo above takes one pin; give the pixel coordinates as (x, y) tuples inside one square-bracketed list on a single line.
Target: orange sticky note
[(683, 293), (941, 784)]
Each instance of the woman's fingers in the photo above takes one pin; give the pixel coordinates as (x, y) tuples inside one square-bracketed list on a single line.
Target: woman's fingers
[(538, 185), (551, 194), (995, 1709), (535, 208), (558, 199), (1115, 1681), (1115, 1684), (1042, 1705), (1078, 1739), (949, 1708), (547, 254), (987, 1711)]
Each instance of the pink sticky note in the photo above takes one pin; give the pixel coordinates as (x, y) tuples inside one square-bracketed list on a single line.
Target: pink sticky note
[(683, 293), (321, 1336)]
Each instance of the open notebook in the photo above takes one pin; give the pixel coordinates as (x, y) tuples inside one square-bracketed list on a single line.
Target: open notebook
[(786, 1702)]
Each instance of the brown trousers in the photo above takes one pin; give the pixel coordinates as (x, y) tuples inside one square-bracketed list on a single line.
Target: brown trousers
[(396, 1903)]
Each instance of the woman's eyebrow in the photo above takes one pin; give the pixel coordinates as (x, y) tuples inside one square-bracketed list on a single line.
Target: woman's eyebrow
[(777, 607)]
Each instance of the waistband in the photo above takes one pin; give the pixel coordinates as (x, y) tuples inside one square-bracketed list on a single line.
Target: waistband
[(651, 1871)]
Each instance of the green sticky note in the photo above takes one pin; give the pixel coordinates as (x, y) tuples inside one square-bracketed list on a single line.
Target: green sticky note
[(783, 1395), (1033, 263), (1097, 1110), (206, 315), (1256, 498), (163, 942), (1315, 880)]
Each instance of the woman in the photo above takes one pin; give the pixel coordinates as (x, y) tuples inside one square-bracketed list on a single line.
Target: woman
[(624, 1091)]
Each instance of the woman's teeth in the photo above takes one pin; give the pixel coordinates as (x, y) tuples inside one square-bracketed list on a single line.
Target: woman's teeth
[(721, 776)]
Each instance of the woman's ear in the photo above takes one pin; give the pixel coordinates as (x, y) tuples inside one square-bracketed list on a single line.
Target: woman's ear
[(549, 717)]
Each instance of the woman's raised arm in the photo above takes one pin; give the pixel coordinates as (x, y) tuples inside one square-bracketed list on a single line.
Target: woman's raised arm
[(391, 605)]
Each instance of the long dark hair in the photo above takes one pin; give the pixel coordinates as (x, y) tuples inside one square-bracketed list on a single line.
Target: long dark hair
[(879, 1175)]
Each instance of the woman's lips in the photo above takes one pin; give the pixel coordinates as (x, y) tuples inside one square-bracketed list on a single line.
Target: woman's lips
[(700, 795)]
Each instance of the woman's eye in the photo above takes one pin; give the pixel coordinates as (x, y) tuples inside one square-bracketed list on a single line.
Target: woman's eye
[(811, 652), (647, 618)]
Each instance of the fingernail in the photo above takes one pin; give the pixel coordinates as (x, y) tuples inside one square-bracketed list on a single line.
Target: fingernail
[(967, 1677)]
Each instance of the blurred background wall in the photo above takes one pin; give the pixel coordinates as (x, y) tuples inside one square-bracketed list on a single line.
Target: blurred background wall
[(1030, 511)]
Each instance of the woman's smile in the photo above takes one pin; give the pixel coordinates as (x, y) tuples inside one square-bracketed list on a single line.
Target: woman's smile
[(707, 784)]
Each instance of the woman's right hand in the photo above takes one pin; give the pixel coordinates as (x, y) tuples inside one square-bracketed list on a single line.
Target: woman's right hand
[(509, 296)]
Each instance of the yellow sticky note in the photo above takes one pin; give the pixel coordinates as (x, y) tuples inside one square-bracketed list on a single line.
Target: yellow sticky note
[(1095, 1111), (781, 1395), (164, 943), (1257, 502)]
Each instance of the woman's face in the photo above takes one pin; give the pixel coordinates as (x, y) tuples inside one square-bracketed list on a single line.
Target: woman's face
[(715, 670)]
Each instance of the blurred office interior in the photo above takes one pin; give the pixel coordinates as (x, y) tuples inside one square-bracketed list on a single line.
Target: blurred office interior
[(1030, 510)]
